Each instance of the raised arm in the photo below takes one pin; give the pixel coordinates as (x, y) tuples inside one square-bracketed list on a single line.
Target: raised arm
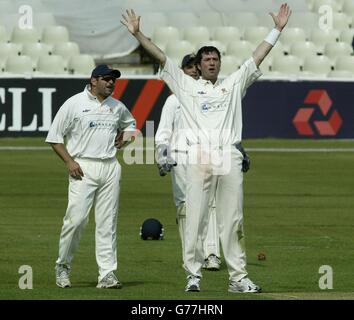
[(132, 22), (280, 20)]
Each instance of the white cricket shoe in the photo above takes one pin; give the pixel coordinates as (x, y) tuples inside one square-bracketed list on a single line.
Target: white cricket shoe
[(62, 273), (212, 263), (193, 284), (110, 281), (244, 285)]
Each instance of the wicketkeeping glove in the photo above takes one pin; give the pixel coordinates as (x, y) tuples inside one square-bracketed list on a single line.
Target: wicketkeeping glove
[(246, 162), (164, 160)]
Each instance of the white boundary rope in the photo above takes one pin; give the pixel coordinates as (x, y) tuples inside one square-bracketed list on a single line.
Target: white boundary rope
[(284, 150)]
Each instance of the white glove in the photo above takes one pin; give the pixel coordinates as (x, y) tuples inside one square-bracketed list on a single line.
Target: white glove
[(164, 159)]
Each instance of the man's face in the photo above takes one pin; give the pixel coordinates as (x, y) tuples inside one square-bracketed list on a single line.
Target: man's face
[(210, 66), (192, 71), (103, 86)]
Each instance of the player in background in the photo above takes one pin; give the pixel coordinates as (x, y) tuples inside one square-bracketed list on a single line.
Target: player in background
[(212, 112), (83, 135), (169, 136)]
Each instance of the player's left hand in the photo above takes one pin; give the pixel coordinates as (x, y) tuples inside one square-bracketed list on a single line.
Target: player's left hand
[(281, 19), (246, 163), (123, 139)]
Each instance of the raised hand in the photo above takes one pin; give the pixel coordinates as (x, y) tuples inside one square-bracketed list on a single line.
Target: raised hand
[(281, 19), (131, 21)]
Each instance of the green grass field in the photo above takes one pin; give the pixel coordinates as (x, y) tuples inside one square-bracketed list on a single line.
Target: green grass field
[(298, 210)]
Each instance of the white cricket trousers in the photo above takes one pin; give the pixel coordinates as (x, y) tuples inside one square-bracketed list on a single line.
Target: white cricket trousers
[(211, 245), (206, 181), (99, 187)]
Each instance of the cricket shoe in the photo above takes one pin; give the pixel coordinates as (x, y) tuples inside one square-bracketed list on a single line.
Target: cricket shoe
[(245, 285), (193, 284), (110, 281), (62, 276), (212, 263)]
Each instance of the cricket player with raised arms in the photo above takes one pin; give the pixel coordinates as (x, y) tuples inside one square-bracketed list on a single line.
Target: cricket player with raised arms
[(171, 146), (212, 115)]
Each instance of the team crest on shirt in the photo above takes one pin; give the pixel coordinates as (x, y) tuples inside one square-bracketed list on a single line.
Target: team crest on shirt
[(223, 90)]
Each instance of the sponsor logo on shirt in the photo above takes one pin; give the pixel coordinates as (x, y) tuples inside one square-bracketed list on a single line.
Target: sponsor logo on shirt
[(201, 92), (86, 110), (101, 124), (213, 108)]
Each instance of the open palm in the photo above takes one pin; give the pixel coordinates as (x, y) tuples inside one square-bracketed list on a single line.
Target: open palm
[(281, 19), (131, 21)]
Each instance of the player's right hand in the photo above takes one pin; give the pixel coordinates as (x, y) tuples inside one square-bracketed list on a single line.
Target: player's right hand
[(166, 167), (131, 21), (75, 170), (165, 162)]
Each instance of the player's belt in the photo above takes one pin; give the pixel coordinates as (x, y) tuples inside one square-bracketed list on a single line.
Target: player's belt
[(238, 146), (179, 151)]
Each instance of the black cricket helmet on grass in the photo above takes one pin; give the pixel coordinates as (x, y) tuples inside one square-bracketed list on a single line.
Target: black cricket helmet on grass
[(151, 229)]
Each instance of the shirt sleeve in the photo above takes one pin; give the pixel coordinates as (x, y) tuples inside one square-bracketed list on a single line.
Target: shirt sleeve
[(61, 124), (126, 121), (178, 82), (165, 128), (245, 76)]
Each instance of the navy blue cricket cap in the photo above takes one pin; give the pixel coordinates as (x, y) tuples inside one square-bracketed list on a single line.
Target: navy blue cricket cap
[(188, 60), (104, 70)]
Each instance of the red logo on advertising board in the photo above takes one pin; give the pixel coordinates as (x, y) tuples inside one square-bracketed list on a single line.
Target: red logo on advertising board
[(302, 120)]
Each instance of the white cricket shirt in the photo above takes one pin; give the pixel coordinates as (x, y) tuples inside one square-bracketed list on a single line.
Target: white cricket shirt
[(212, 113), (90, 126), (169, 131)]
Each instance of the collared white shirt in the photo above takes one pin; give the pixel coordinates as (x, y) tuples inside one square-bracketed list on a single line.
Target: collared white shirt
[(170, 130), (212, 113), (90, 126)]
